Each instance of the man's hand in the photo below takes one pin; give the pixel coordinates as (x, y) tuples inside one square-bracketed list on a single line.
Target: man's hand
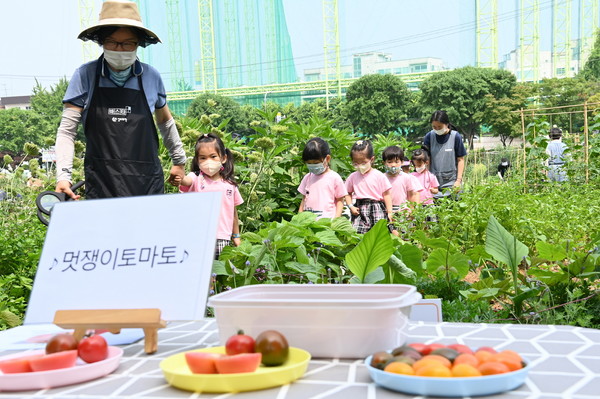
[(177, 175)]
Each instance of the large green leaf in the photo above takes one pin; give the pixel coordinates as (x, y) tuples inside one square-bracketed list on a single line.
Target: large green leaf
[(342, 224), (551, 252), (328, 237), (411, 256), (503, 246), (371, 252), (441, 262), (401, 268), (303, 219)]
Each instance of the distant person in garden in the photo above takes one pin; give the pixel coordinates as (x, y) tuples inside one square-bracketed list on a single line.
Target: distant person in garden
[(370, 189), (447, 152), (114, 98), (503, 168), (404, 188), (323, 190), (420, 159), (556, 156), (212, 170)]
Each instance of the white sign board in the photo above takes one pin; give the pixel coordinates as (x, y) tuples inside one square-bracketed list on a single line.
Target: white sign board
[(128, 253), (49, 154)]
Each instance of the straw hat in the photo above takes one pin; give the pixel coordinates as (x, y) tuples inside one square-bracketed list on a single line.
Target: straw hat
[(119, 13)]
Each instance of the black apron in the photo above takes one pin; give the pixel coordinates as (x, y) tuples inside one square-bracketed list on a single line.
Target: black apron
[(121, 157)]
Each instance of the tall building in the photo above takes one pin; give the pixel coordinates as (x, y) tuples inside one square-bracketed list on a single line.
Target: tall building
[(380, 63), (251, 44)]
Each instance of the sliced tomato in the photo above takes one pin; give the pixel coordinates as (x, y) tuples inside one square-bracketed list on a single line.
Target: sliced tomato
[(17, 365), (202, 362), (53, 361), (242, 363)]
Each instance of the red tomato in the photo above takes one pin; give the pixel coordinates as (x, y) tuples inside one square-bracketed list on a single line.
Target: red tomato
[(93, 349), (202, 362), (242, 363), (461, 348), (487, 349), (17, 365), (431, 347), (53, 361), (418, 347), (239, 343), (61, 342)]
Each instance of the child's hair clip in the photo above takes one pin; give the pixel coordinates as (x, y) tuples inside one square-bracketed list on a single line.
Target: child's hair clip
[(359, 142), (205, 135)]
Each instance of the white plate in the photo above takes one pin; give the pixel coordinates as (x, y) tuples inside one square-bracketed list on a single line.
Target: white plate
[(56, 378), (449, 387)]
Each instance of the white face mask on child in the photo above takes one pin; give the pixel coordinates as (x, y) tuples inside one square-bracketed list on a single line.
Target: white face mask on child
[(210, 167), (421, 169)]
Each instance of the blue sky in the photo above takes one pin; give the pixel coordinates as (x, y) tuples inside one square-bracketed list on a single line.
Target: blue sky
[(39, 36)]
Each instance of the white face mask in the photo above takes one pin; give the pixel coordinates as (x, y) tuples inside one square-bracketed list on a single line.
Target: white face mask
[(440, 132), (420, 169), (210, 167), (364, 168), (120, 60)]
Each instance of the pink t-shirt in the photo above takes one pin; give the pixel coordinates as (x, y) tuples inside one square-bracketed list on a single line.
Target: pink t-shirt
[(428, 181), (402, 184), (321, 191), (371, 185), (229, 200)]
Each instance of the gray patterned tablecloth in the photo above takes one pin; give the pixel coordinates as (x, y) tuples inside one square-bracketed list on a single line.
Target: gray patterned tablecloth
[(565, 363)]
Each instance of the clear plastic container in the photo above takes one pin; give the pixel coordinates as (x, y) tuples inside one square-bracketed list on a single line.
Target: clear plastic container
[(340, 321)]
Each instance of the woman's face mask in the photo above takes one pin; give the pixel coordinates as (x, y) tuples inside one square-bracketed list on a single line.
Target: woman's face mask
[(120, 60)]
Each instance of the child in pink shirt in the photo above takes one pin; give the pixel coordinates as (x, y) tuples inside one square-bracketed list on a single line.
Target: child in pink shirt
[(404, 188), (420, 159), (370, 188), (323, 189), (212, 170)]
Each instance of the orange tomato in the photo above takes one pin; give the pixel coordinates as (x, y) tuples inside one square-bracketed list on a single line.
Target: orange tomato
[(399, 368), (513, 363), (434, 370), (465, 370), (426, 362), (440, 359), (466, 358), (514, 354), (491, 368), (483, 356)]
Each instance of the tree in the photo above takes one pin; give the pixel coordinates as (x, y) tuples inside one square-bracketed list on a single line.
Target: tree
[(500, 115), (17, 127), (462, 94), (567, 91), (225, 107), (377, 104), (48, 105), (318, 108), (591, 69)]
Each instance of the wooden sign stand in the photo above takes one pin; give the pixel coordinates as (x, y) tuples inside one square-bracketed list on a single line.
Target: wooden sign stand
[(113, 320)]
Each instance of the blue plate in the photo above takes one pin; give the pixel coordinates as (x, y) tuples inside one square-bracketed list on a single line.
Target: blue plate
[(449, 387)]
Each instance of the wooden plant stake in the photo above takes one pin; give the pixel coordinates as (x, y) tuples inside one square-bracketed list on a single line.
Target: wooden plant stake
[(113, 320)]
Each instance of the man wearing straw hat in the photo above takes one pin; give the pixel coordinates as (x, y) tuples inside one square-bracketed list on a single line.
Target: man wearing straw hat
[(114, 97)]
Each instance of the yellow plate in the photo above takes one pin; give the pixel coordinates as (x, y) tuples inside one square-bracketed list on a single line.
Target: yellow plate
[(178, 374)]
